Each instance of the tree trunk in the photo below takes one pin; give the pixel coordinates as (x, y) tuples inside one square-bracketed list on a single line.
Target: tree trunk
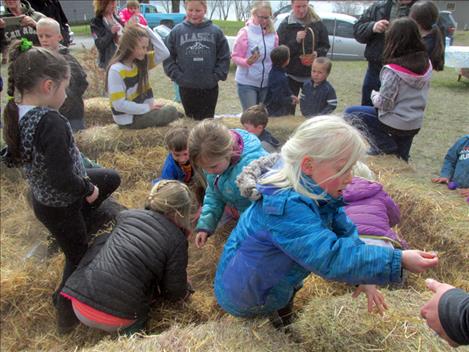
[(175, 5)]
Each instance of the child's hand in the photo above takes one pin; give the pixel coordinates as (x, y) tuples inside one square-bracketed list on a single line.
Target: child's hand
[(464, 192), (253, 58), (440, 179), (201, 239), (91, 198), (156, 106), (375, 298), (294, 100), (418, 261)]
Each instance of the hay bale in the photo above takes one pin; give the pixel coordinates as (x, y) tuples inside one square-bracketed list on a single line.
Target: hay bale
[(98, 110), (343, 324)]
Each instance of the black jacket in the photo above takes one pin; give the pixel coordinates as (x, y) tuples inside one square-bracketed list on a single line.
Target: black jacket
[(287, 36), (453, 310), (279, 95), (104, 40), (363, 29), (53, 9), (144, 257)]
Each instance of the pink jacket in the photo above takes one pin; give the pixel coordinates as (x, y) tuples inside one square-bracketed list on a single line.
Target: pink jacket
[(125, 16)]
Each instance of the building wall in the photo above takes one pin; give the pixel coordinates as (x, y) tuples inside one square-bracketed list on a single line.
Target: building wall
[(460, 9), (81, 10)]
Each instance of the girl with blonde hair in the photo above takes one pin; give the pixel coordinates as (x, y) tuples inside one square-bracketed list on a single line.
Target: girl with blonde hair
[(298, 226), (143, 258), (127, 83), (251, 54), (221, 154)]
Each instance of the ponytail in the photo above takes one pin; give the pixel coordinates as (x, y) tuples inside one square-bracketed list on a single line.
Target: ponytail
[(437, 55)]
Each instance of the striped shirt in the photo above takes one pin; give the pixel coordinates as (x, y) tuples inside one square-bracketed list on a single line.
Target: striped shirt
[(124, 97)]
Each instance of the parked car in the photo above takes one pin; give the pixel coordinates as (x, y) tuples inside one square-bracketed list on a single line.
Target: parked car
[(340, 29), (448, 25), (155, 18)]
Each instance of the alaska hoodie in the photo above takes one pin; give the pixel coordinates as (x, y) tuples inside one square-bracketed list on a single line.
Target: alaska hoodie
[(200, 55), (402, 97)]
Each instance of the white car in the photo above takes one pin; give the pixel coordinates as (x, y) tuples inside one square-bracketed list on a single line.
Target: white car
[(340, 29)]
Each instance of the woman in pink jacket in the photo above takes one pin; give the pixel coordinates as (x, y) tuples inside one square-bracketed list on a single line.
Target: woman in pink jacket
[(251, 53)]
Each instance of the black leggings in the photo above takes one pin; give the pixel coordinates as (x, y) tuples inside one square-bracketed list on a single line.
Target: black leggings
[(199, 104), (68, 224)]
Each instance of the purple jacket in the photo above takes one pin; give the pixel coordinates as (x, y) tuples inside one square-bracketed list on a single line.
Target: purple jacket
[(372, 210)]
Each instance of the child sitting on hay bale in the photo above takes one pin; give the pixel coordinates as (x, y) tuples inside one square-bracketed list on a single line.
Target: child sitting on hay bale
[(222, 154), (40, 140), (143, 259), (127, 83), (455, 169), (298, 227)]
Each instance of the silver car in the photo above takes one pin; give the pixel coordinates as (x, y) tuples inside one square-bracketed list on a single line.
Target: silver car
[(340, 29)]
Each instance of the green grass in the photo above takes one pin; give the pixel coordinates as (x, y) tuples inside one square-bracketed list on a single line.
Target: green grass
[(461, 38), (81, 30)]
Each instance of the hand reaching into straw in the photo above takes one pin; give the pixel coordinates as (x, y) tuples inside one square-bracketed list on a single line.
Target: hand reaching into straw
[(374, 296)]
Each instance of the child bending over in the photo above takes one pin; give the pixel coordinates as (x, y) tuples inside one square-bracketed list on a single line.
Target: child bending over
[(318, 96), (255, 120), (128, 85), (221, 153)]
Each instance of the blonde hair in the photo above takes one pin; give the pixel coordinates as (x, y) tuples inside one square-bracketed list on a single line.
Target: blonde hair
[(362, 170), (201, 2), (210, 140), (324, 138), (49, 22), (129, 39), (100, 6), (173, 199), (265, 5), (132, 4)]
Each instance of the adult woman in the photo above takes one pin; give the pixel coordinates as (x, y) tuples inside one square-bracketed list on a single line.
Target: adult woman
[(26, 28), (144, 258), (292, 32), (251, 53), (106, 29), (200, 57)]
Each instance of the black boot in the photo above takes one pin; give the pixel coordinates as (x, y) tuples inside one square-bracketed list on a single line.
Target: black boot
[(66, 318)]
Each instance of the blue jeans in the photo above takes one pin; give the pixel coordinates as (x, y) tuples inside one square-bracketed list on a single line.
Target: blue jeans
[(371, 82), (382, 138), (250, 95)]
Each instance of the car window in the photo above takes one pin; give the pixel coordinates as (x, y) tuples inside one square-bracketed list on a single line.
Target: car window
[(344, 29), (329, 25), (151, 9)]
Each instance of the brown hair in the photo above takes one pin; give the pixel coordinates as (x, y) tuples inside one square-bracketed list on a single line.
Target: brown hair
[(26, 70), (324, 61), (210, 139), (100, 6), (173, 199), (255, 115), (426, 14), (132, 34), (176, 139), (280, 55)]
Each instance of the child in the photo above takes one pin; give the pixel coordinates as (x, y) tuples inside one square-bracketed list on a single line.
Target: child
[(425, 14), (372, 210), (399, 105), (48, 32), (318, 96), (144, 258), (456, 167), (255, 120), (132, 10), (279, 95), (299, 226), (222, 154), (127, 80), (200, 57), (39, 139)]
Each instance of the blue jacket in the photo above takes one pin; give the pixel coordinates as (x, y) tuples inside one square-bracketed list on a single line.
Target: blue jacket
[(278, 100), (285, 236), (456, 164), (222, 189)]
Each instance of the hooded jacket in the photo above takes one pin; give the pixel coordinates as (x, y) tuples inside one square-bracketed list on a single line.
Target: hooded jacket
[(145, 256), (456, 164), (249, 38), (13, 32), (282, 238), (372, 210), (199, 55), (222, 189), (402, 98), (287, 36), (104, 39)]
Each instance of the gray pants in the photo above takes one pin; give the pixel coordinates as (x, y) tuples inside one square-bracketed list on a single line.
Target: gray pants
[(154, 118)]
